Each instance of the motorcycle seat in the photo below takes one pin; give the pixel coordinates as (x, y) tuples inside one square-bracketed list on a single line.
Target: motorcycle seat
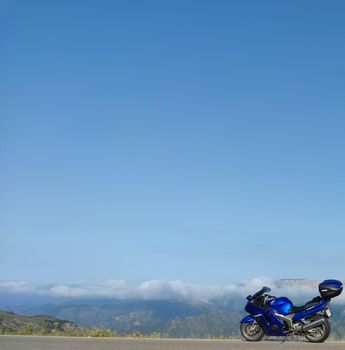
[(306, 306)]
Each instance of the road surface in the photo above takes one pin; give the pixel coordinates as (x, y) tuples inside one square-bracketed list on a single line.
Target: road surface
[(73, 343)]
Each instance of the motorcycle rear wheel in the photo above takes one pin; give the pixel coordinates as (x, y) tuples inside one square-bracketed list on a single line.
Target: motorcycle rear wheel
[(252, 332), (320, 333)]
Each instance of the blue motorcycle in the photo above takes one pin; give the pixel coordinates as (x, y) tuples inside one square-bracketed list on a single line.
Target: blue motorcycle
[(272, 316)]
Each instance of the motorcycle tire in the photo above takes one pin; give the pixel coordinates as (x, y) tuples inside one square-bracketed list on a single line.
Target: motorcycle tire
[(320, 333), (252, 332)]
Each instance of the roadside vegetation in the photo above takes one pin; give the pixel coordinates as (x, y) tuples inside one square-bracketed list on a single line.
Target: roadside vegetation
[(13, 324)]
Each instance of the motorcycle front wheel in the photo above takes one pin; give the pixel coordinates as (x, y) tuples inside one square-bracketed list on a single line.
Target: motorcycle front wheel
[(252, 332), (320, 333)]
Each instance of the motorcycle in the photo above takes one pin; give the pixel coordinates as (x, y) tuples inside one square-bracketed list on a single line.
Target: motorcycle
[(272, 316)]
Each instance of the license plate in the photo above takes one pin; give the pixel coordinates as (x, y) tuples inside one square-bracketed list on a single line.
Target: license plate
[(328, 313)]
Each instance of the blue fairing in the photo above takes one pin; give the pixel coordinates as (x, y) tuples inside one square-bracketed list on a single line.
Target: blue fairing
[(270, 323), (265, 318), (311, 311), (282, 305), (248, 319)]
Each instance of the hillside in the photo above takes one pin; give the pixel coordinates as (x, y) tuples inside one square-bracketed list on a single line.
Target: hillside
[(177, 318), (11, 323), (161, 317)]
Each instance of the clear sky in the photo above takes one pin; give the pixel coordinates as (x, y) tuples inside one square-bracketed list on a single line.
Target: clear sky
[(193, 140)]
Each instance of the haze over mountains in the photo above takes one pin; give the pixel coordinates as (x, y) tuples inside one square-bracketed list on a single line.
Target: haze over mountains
[(171, 308)]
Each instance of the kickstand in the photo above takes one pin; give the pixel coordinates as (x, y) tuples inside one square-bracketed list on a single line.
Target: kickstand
[(285, 339)]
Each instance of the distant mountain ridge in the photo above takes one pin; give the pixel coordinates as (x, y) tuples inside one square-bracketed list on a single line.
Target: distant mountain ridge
[(293, 282), (169, 318)]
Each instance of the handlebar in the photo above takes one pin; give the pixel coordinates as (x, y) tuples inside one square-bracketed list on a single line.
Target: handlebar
[(261, 296)]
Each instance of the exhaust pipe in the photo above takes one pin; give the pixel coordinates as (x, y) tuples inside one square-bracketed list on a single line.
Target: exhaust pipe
[(313, 324)]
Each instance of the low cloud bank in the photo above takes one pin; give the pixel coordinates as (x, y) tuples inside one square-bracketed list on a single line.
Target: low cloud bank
[(165, 289)]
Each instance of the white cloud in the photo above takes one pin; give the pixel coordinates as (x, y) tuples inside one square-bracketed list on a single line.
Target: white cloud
[(165, 289), (16, 287)]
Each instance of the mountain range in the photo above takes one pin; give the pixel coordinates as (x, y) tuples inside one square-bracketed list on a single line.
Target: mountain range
[(169, 318)]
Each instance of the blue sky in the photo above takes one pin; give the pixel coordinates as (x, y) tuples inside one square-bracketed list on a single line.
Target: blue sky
[(193, 140)]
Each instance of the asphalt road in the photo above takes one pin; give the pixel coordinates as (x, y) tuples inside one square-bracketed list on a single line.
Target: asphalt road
[(66, 343)]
